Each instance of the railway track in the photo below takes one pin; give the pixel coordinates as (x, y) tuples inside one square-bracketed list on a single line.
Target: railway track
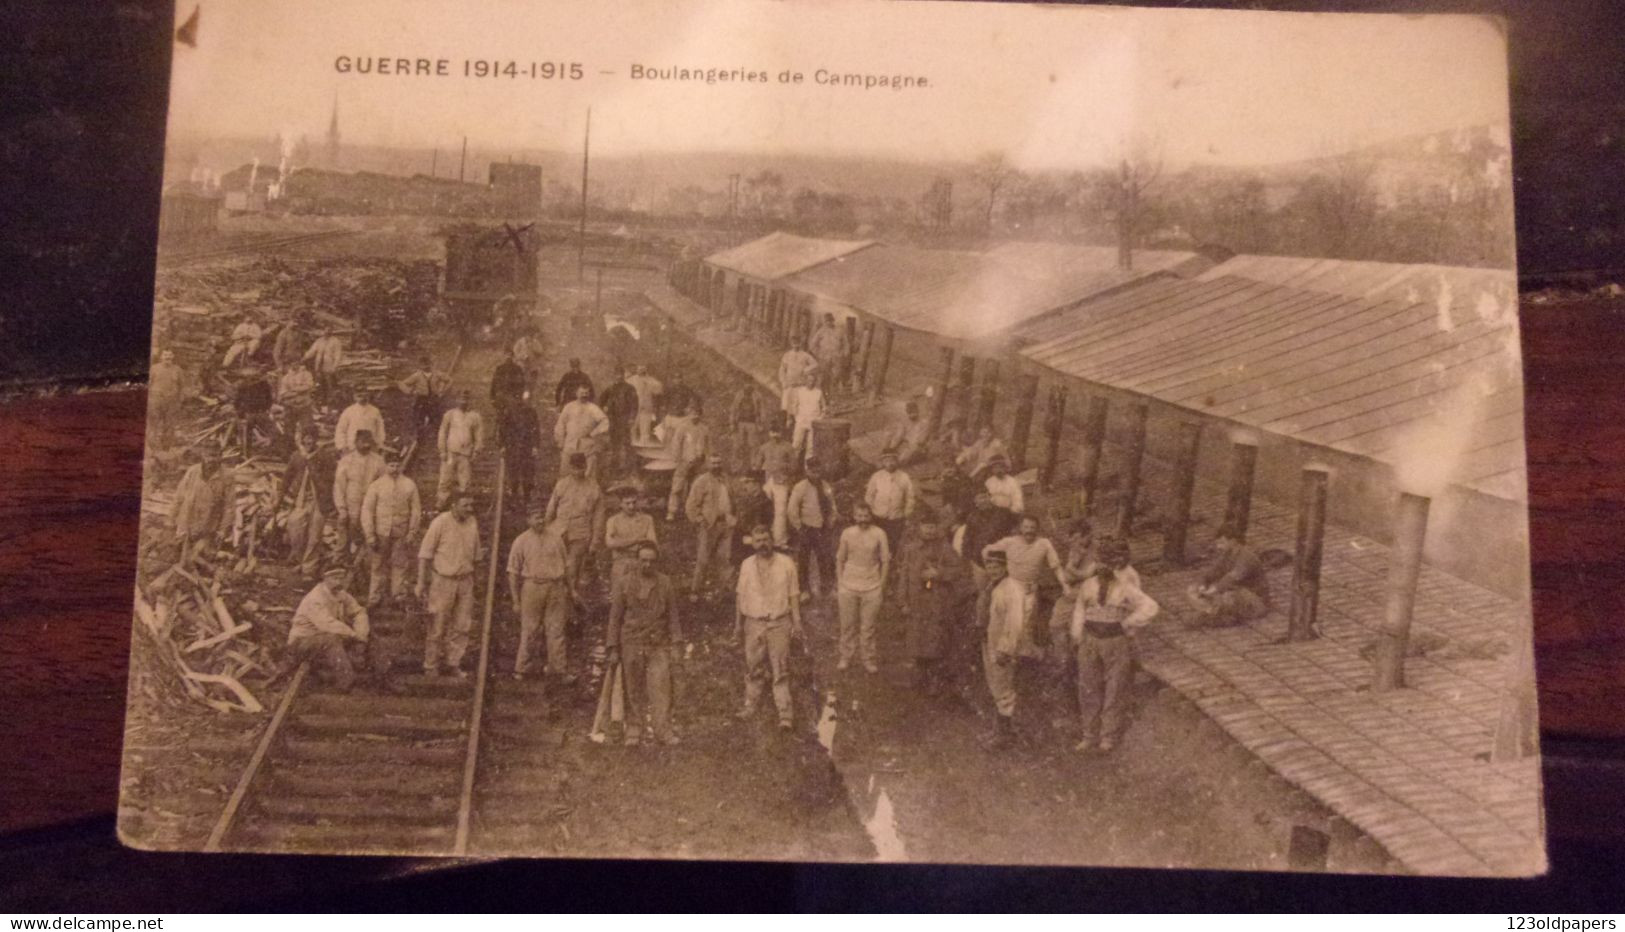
[(394, 765), (263, 244)]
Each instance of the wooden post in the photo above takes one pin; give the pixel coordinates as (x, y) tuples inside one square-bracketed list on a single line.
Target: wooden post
[(1054, 423), (990, 394), (1405, 565), (1243, 463), (1179, 515), (1306, 565), (935, 423), (1094, 442), (1021, 428), (1131, 470), (862, 374), (887, 334)]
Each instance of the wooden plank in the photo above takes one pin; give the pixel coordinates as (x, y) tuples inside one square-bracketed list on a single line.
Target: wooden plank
[(465, 805), (240, 791)]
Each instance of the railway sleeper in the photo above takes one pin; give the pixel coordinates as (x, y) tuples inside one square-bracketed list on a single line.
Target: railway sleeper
[(425, 707), (415, 809), (384, 838), (449, 753), (394, 726), (336, 780)]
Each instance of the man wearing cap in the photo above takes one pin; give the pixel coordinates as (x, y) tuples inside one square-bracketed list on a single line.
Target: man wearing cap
[(296, 393), (527, 352), (775, 456), (890, 497), (312, 470), (578, 502), (812, 515), (462, 434), (285, 348), (579, 426), (978, 456), (985, 524), (424, 386), (862, 560), (1004, 488), (620, 404), (710, 508), (510, 383), (767, 616), (958, 489), (1233, 587), (538, 582), (356, 471), (326, 354), (1004, 607), (361, 415), (166, 389), (644, 634), (570, 385), (390, 514), (625, 531), (446, 561), (936, 585), (1109, 608), (327, 626), (688, 446), (519, 433)]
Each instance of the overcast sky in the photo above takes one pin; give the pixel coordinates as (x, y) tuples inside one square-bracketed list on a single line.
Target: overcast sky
[(1055, 87)]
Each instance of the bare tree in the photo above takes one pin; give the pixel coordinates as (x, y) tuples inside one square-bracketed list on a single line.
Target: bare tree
[(937, 205), (764, 194), (1125, 196), (994, 174)]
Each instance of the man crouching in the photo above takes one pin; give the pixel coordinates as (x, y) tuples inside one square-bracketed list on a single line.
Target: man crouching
[(329, 631)]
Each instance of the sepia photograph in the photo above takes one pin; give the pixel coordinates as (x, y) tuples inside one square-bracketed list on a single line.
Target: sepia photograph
[(837, 432)]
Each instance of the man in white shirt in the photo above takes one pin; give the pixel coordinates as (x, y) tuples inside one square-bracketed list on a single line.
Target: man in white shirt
[(1006, 611), (328, 624), (1004, 488), (766, 618), (351, 479), (580, 424), (390, 513), (689, 445), (245, 341), (462, 433), (806, 407), (862, 559), (890, 497), (796, 367), (1027, 556), (538, 581), (361, 415), (829, 346), (710, 508), (326, 353), (446, 561), (1109, 609), (648, 388)]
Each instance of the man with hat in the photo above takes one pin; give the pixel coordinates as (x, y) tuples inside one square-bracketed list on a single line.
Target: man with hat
[(620, 404), (1004, 607), (296, 393), (166, 390), (462, 434), (812, 515), (245, 340), (519, 433), (356, 472), (361, 415), (1109, 608), (510, 383), (578, 503), (327, 627), (775, 455), (643, 635), (936, 587), (890, 497), (579, 426), (767, 617), (687, 446), (446, 559), (710, 508), (390, 513), (1004, 488), (625, 531), (538, 581), (570, 385)]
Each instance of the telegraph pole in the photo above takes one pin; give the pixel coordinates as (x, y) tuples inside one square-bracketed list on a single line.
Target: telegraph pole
[(463, 162), (581, 232)]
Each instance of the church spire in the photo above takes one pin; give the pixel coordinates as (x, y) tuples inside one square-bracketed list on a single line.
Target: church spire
[(333, 135)]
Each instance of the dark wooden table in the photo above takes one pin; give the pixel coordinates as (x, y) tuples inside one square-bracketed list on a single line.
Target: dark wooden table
[(70, 500)]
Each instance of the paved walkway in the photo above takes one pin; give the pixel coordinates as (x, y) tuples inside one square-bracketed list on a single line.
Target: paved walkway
[(1409, 767)]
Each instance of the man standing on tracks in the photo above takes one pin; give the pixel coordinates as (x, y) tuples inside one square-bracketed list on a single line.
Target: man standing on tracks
[(519, 433), (644, 634), (620, 404), (766, 618), (390, 514), (446, 559), (578, 502), (510, 383), (355, 474), (166, 389), (862, 560), (890, 497), (361, 415), (570, 385), (462, 434), (1004, 607), (829, 347), (710, 509), (648, 388), (579, 426), (625, 531), (326, 353), (309, 478), (537, 580), (424, 387), (328, 626)]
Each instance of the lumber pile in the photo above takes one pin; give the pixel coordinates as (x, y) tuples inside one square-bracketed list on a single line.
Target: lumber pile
[(198, 642)]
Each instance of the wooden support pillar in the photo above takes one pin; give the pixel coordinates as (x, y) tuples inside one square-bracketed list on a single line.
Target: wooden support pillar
[(935, 423), (1138, 415), (1054, 423), (990, 394), (1094, 443), (883, 360), (1405, 565), (1306, 564), (1238, 508), (1022, 426), (860, 376), (1178, 519)]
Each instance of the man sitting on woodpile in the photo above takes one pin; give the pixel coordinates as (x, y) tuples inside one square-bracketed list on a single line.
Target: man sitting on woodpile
[(329, 631), (245, 341), (978, 456)]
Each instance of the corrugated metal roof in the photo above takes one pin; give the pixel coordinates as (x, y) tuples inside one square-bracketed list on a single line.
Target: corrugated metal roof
[(1091, 269), (966, 295), (1465, 291), (779, 254), (1386, 379)]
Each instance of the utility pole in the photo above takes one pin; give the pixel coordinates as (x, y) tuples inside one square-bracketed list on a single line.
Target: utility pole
[(581, 232), (434, 162), (733, 206), (463, 162)]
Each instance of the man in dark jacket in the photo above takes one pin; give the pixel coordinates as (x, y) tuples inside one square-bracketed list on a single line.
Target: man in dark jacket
[(509, 383), (985, 524), (620, 404), (572, 379), (1233, 589), (644, 636), (253, 406), (519, 433)]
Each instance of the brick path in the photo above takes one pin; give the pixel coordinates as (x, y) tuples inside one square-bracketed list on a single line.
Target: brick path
[(1408, 767)]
